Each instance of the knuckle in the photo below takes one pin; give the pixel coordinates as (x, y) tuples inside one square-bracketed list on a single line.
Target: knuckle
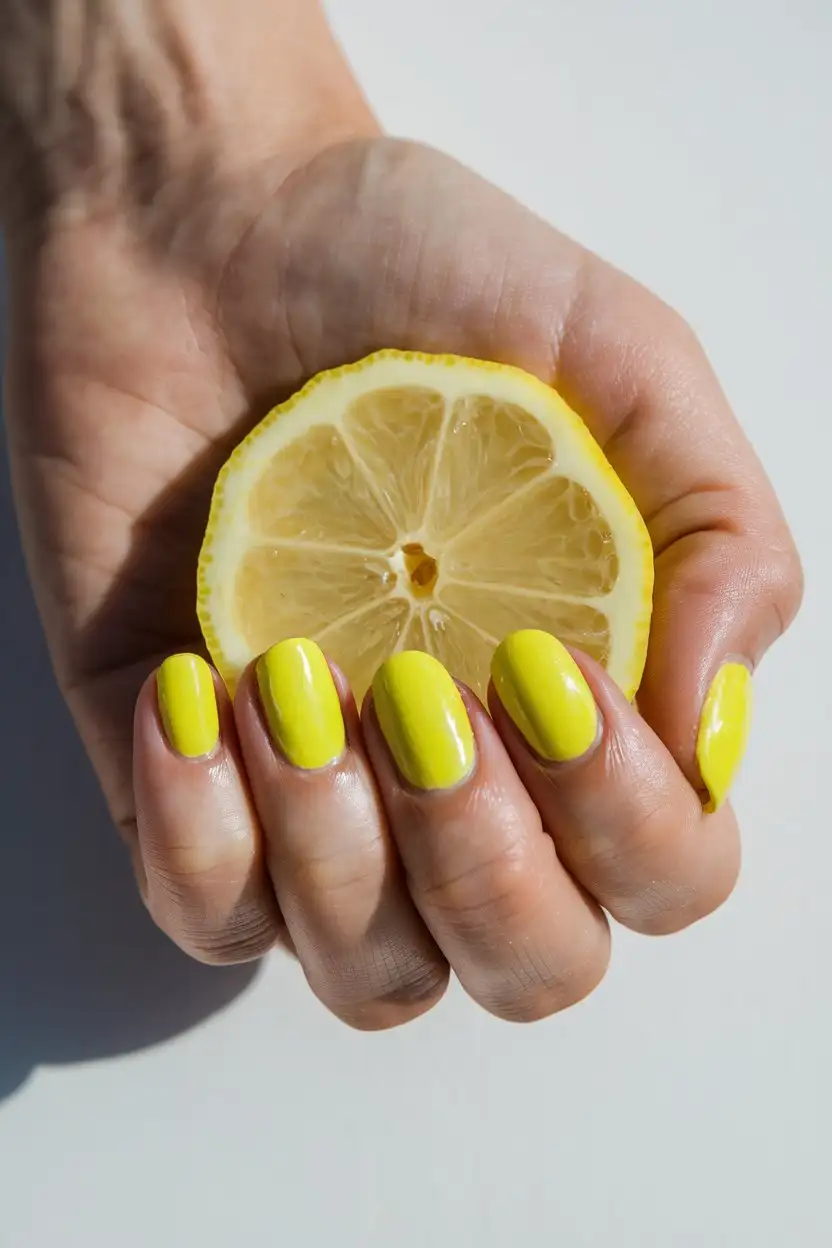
[(339, 873), (757, 577), (400, 999), (786, 579), (660, 908), (670, 919), (200, 879), (629, 843), (663, 907), (216, 939), (553, 987), (229, 946), (193, 865), (485, 894), (769, 575)]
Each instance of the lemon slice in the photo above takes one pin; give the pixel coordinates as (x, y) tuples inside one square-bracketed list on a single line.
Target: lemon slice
[(424, 503)]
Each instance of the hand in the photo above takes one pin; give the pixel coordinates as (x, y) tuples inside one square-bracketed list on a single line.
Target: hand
[(151, 326)]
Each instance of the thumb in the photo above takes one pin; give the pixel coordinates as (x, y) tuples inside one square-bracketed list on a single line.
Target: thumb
[(721, 599)]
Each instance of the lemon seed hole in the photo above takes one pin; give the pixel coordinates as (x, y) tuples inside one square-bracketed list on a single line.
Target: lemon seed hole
[(421, 568)]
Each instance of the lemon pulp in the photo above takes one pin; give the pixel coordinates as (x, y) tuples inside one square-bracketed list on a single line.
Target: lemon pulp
[(423, 502)]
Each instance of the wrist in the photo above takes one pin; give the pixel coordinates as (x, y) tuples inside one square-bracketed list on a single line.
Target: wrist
[(104, 107)]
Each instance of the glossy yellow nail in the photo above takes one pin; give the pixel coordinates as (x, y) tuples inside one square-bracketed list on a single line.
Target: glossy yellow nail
[(424, 721), (301, 703), (544, 692), (723, 731), (188, 705)]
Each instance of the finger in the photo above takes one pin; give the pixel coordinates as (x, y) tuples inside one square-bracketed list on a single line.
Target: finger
[(720, 601), (523, 939), (201, 849), (364, 948), (624, 820)]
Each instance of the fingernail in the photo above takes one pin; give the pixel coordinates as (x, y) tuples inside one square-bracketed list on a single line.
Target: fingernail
[(188, 705), (723, 731), (301, 703), (424, 721), (544, 692)]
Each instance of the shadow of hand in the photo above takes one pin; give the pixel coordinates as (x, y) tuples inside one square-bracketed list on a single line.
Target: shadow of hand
[(83, 972)]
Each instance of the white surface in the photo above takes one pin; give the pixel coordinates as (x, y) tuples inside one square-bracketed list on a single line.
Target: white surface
[(687, 1103)]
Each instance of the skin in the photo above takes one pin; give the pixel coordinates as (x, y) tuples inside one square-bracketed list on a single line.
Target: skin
[(199, 215)]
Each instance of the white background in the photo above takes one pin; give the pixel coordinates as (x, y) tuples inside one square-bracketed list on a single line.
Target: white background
[(149, 1103)]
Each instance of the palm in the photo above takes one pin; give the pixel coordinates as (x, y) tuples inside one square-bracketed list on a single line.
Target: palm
[(161, 347)]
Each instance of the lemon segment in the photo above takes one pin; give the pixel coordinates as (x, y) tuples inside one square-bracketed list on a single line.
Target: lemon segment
[(416, 502)]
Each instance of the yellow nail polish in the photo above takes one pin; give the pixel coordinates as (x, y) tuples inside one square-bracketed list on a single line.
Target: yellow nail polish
[(723, 731), (544, 692), (424, 721), (188, 705), (301, 703)]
